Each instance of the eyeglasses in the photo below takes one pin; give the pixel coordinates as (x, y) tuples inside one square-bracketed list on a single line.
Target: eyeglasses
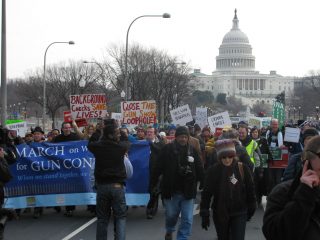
[(317, 154)]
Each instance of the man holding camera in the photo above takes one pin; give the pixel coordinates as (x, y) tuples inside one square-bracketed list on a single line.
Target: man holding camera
[(181, 169), (7, 155)]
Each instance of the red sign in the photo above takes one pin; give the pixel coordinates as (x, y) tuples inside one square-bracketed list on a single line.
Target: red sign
[(67, 116), (81, 122), (283, 162)]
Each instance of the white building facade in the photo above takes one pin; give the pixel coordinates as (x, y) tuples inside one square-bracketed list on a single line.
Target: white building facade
[(235, 73)]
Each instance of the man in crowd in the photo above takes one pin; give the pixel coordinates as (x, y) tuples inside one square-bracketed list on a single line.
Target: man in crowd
[(110, 176), (274, 138), (66, 136), (38, 137), (155, 147), (181, 168)]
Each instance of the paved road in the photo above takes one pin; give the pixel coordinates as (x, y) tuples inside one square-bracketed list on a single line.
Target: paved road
[(82, 226)]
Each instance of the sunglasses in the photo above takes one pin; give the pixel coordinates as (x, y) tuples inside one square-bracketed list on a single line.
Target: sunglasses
[(231, 156)]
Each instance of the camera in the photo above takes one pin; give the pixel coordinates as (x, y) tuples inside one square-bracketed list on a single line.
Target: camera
[(184, 170)]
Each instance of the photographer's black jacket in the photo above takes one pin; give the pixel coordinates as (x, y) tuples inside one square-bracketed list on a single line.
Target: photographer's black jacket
[(177, 177), (109, 166)]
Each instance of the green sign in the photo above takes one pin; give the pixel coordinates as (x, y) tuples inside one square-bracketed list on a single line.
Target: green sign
[(278, 112), (276, 153), (13, 121)]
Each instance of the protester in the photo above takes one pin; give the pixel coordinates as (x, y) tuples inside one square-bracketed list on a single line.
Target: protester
[(66, 136), (241, 151), (230, 184), (261, 176), (181, 167), (293, 207), (295, 161), (110, 175), (274, 138), (155, 147)]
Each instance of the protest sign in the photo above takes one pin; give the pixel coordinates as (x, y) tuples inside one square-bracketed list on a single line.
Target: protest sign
[(139, 112), (88, 106), (117, 117), (181, 115), (58, 174), (202, 117), (67, 116), (20, 127), (219, 120), (292, 134)]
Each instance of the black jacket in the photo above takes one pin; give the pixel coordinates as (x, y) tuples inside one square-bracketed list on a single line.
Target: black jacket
[(62, 138), (109, 166), (292, 212), (228, 199), (169, 165)]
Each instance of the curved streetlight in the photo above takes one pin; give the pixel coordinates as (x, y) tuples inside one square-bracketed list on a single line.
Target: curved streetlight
[(44, 81), (102, 72), (165, 15)]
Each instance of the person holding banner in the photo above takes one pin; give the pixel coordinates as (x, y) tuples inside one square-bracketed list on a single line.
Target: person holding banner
[(110, 176), (181, 168), (66, 136)]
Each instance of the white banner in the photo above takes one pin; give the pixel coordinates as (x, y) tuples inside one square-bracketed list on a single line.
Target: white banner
[(181, 115), (20, 127), (117, 117), (219, 120), (292, 135), (88, 106), (139, 112), (202, 117)]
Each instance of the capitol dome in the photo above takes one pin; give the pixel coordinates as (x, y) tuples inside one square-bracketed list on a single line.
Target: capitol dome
[(235, 52)]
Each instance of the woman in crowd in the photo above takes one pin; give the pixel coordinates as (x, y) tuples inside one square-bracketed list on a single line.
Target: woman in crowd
[(261, 174), (230, 184)]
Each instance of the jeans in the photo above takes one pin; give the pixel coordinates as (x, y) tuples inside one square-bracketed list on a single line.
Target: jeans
[(111, 196), (234, 229), (174, 206)]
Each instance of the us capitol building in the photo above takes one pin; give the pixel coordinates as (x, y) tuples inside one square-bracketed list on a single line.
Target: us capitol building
[(235, 73)]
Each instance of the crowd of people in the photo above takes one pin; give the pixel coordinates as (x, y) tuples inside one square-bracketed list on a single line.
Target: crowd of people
[(233, 170)]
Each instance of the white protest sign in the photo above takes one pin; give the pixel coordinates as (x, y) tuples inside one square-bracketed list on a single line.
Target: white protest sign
[(201, 117), (88, 106), (117, 117), (292, 134), (139, 112), (20, 127), (181, 115), (219, 120)]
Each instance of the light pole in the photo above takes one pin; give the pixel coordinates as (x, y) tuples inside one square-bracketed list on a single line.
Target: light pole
[(165, 15), (299, 110), (102, 72), (317, 111), (44, 81), (294, 113)]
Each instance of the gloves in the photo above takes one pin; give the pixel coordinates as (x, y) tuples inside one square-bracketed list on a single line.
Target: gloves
[(205, 223), (250, 213)]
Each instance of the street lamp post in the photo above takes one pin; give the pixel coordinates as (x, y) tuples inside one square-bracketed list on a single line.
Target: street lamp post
[(317, 111), (44, 81), (102, 72), (294, 113), (165, 15), (299, 110)]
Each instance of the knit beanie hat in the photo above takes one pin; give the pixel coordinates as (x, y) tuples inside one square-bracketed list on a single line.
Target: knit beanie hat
[(37, 129), (310, 132), (225, 148), (312, 148), (182, 131)]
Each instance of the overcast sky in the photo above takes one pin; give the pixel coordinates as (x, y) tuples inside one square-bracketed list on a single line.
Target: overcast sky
[(284, 34)]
